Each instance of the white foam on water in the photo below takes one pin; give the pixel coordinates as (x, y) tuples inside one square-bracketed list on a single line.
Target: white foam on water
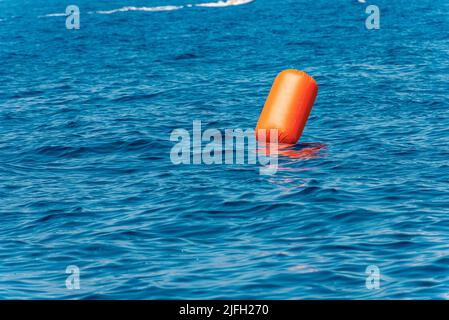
[(55, 15), (218, 4), (221, 4), (150, 9)]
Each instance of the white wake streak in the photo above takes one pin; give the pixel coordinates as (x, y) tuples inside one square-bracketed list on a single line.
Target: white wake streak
[(218, 4), (150, 9), (221, 4), (55, 15)]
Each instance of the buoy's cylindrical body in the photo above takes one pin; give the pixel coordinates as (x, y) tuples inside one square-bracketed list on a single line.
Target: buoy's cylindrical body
[(288, 105)]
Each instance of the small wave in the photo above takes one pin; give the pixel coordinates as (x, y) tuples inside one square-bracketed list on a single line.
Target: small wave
[(55, 15), (224, 3), (151, 9), (186, 56)]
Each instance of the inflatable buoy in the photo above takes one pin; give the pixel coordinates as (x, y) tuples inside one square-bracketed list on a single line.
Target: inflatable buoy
[(288, 106)]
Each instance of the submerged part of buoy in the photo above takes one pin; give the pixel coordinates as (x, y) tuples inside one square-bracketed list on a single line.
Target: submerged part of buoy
[(288, 106)]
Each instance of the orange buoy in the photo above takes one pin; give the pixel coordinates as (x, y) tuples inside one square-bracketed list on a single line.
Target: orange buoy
[(288, 105)]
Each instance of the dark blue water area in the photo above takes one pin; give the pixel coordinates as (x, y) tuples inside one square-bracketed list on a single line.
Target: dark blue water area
[(86, 177)]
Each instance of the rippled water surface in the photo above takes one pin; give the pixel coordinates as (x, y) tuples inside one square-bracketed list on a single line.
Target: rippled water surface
[(86, 176)]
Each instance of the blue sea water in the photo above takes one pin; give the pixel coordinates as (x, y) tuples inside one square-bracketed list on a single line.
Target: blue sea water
[(86, 176)]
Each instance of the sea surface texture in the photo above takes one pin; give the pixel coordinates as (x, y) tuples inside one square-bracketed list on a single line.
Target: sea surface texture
[(87, 183)]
